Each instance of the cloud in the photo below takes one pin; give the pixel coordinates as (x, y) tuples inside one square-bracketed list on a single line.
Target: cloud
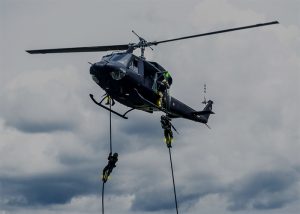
[(46, 190), (160, 197), (138, 126), (153, 200), (37, 101), (54, 140), (264, 190)]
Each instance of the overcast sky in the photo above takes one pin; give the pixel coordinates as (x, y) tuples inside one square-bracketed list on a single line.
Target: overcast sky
[(54, 140)]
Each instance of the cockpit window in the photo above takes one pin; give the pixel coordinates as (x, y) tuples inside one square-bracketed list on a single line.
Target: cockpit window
[(133, 65), (121, 58), (106, 58)]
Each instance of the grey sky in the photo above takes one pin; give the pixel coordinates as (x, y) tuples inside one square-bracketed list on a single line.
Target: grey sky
[(54, 140)]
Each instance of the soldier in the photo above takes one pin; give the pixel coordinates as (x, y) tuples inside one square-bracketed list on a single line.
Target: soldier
[(167, 127), (164, 83), (112, 160)]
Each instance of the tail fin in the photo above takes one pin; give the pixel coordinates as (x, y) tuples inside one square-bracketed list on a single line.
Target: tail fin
[(206, 112)]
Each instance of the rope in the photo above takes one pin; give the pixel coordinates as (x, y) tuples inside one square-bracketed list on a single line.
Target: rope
[(174, 187), (110, 148), (110, 144), (110, 140), (103, 198)]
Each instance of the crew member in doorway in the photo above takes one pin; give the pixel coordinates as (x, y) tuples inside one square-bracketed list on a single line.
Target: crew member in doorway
[(164, 83)]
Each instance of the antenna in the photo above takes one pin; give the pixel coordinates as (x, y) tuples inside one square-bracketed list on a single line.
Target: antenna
[(204, 100)]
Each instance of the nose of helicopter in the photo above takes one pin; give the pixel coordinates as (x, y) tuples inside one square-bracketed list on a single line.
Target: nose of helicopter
[(100, 70), (95, 68), (95, 71)]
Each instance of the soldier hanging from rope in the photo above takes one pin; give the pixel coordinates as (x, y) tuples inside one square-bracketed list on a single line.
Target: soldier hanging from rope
[(112, 160), (167, 127)]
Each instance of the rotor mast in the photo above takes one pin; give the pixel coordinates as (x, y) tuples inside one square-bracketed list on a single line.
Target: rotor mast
[(142, 44)]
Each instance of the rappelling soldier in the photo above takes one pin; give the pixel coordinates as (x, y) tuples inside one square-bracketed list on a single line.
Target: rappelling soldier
[(167, 127), (164, 83), (112, 160)]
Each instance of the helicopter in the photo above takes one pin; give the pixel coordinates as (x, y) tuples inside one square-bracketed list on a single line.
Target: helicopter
[(136, 82)]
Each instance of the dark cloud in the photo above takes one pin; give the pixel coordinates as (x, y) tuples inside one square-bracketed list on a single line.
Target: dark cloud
[(264, 190), (40, 126), (45, 190), (73, 159), (153, 200), (160, 196)]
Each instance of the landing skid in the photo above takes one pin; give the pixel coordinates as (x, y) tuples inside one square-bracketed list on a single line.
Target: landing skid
[(108, 109)]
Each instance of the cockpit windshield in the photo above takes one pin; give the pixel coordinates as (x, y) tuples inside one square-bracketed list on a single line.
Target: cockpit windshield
[(122, 58)]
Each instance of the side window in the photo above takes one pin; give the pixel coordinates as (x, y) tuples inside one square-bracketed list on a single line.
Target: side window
[(134, 65)]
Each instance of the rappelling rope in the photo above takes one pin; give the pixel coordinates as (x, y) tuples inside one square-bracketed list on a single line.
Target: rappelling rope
[(110, 140), (167, 127), (110, 148), (174, 187), (103, 198)]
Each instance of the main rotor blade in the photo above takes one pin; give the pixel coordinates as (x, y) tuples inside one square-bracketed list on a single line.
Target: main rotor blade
[(80, 49), (216, 32)]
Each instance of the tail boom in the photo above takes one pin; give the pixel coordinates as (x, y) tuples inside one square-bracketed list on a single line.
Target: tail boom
[(178, 109)]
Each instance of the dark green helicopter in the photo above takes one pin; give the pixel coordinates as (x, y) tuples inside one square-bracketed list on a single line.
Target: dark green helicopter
[(135, 82)]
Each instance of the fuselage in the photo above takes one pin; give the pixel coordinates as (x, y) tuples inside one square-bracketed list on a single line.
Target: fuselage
[(131, 80)]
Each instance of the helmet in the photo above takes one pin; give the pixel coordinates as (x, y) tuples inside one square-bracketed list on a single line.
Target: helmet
[(115, 155)]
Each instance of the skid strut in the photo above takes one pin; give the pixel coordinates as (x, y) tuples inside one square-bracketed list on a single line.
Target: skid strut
[(109, 109)]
